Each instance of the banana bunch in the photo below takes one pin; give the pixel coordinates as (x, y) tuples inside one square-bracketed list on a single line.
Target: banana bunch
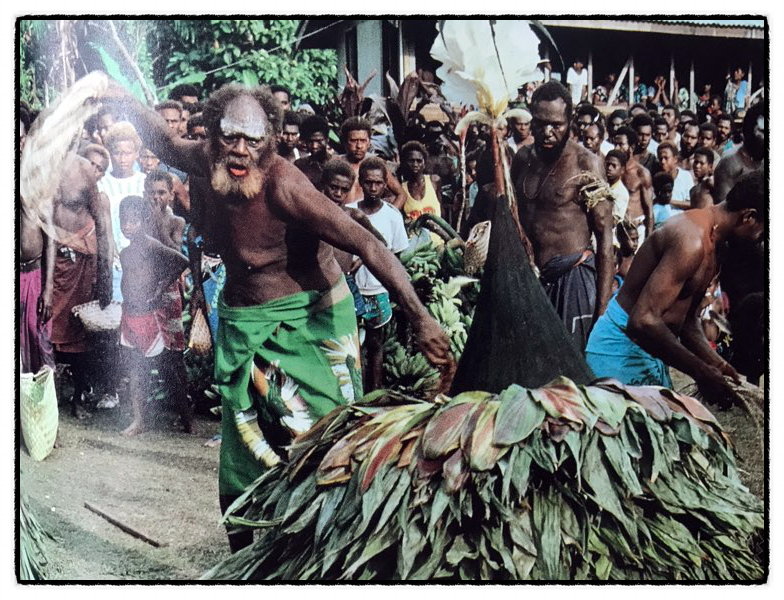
[(423, 262), (446, 309), (409, 373)]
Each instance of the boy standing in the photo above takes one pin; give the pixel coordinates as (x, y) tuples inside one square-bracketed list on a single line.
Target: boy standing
[(388, 221), (149, 270)]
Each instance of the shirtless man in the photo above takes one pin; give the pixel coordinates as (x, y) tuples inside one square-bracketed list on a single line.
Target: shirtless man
[(749, 156), (556, 218), (637, 180), (643, 126), (355, 135), (82, 269), (701, 195), (36, 268), (654, 321), (286, 314)]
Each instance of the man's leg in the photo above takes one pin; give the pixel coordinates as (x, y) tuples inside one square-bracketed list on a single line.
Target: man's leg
[(237, 539), (139, 375), (176, 381)]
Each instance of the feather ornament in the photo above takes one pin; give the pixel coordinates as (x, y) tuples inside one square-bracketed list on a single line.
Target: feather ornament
[(485, 61), (49, 141)]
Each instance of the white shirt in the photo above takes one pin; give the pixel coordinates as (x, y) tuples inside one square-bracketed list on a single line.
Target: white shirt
[(575, 81), (606, 146), (682, 185), (389, 223), (116, 190), (652, 146), (620, 200)]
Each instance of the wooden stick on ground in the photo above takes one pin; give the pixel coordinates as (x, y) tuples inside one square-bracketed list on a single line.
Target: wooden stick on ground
[(126, 528)]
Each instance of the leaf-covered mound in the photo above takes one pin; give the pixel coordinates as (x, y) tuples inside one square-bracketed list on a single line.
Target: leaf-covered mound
[(558, 482)]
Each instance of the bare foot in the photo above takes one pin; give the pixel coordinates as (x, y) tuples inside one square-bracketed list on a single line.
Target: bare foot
[(134, 428)]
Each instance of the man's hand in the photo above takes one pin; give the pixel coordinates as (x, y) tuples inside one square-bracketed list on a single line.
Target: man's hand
[(434, 344), (714, 386), (44, 308), (729, 371)]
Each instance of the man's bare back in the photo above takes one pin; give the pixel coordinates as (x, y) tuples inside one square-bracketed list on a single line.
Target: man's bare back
[(730, 168)]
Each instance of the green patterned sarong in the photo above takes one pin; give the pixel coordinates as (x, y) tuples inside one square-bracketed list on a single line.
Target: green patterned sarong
[(293, 360)]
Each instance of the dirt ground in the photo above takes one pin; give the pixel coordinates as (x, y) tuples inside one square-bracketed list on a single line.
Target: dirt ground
[(164, 484)]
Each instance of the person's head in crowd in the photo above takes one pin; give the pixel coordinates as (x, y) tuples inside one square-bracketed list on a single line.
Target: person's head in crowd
[(107, 117), (714, 107), (520, 126), (355, 135), (625, 140), (738, 73), (188, 111), (724, 127), (185, 92), (636, 110), (578, 64), (594, 136), (159, 189), (642, 125), (616, 119), (747, 197), (689, 139), (628, 237), (373, 178), (99, 159), (306, 110), (754, 128), (702, 165), (551, 109), (315, 130), (667, 154), (413, 157), (289, 135), (686, 117), (243, 125), (615, 165), (671, 114), (472, 163), (283, 95), (709, 133), (136, 218), (123, 144), (196, 130), (148, 160), (660, 129), (171, 111), (662, 187), (337, 179), (585, 115)]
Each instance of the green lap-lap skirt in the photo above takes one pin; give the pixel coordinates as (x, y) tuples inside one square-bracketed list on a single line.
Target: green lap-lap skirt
[(293, 360)]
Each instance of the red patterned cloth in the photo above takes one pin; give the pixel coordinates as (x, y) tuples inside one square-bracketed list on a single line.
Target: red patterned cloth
[(153, 332)]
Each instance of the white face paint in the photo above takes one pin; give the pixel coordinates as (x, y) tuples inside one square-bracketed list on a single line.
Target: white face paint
[(247, 127)]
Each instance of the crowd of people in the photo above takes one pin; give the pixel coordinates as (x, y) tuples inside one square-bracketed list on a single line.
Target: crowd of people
[(243, 204)]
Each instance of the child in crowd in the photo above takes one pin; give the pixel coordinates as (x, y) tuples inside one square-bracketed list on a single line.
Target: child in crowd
[(149, 270), (388, 221), (662, 192), (615, 168), (628, 241), (701, 195)]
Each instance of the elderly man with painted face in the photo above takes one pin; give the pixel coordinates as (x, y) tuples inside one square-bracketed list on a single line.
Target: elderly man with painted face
[(547, 178), (288, 350)]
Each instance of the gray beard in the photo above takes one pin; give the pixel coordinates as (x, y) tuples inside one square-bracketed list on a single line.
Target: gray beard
[(247, 187)]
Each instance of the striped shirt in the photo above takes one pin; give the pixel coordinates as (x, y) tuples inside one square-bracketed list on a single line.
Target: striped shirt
[(116, 190)]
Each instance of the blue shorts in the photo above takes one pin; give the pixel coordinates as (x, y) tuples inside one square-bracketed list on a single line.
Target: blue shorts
[(378, 310)]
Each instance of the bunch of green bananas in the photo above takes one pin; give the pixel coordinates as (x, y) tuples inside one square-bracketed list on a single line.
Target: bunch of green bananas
[(422, 262)]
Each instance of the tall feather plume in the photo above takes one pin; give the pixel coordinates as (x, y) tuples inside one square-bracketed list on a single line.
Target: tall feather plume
[(49, 141), (486, 61)]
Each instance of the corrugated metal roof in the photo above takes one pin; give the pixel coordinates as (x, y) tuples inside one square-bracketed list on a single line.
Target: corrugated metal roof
[(749, 23)]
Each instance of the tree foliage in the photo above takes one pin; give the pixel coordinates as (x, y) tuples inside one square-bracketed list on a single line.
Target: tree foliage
[(210, 53), (220, 51)]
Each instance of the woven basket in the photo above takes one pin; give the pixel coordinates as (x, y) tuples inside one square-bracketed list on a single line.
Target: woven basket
[(38, 412), (200, 341), (477, 246), (96, 319)]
